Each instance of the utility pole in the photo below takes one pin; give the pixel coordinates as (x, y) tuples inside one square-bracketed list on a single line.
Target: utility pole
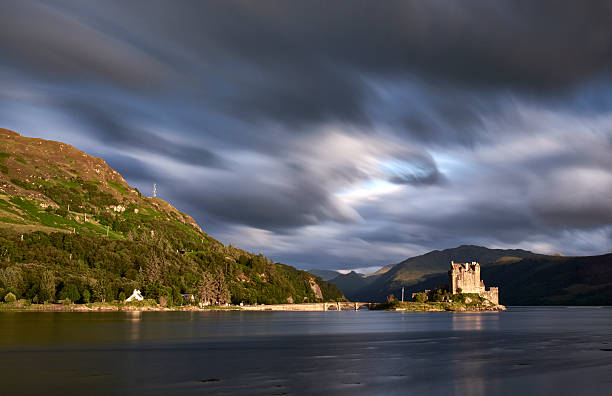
[(402, 293)]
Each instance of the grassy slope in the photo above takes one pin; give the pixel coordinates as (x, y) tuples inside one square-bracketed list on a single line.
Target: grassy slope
[(36, 174)]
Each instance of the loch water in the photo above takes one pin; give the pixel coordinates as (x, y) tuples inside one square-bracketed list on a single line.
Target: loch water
[(524, 351)]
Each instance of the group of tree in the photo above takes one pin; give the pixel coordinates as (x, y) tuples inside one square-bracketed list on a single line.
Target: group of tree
[(82, 268)]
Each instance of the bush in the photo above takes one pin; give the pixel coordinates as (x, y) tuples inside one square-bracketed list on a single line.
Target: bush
[(10, 298), (420, 297), (65, 301)]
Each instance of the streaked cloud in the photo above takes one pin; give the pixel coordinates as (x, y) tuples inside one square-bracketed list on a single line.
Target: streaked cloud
[(336, 135)]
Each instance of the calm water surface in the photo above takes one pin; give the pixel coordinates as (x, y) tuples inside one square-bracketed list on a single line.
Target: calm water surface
[(525, 351)]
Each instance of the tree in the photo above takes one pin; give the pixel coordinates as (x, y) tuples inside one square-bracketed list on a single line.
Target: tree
[(206, 285), (243, 260), (420, 297), (11, 278), (222, 293), (47, 286), (86, 296), (70, 292), (10, 298)]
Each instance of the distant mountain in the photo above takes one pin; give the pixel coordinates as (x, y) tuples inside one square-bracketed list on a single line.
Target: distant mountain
[(523, 277), (545, 280), (324, 274), (72, 228), (416, 270), (350, 284), (381, 271), (553, 280)]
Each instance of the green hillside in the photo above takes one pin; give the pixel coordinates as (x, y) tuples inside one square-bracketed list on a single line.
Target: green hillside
[(72, 228)]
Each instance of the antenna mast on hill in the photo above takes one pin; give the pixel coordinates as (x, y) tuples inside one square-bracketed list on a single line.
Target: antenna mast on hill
[(154, 190)]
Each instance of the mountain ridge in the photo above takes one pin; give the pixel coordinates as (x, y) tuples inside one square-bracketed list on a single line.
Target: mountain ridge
[(414, 269), (523, 277)]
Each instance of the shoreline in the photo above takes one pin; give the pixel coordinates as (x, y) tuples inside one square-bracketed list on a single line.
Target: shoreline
[(312, 307)]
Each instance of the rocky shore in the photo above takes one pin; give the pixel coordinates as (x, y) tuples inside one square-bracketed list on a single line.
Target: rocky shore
[(474, 306)]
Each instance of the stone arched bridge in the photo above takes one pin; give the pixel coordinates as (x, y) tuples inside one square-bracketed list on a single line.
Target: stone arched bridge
[(328, 306)]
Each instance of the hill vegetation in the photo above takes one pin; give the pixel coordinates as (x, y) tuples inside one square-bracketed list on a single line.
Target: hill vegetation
[(71, 228)]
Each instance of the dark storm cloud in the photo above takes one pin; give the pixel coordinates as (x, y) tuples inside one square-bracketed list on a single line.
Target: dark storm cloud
[(347, 132), (522, 46), (41, 38), (115, 132), (292, 62), (248, 202), (301, 65)]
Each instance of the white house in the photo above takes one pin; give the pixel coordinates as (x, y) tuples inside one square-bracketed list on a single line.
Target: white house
[(136, 296)]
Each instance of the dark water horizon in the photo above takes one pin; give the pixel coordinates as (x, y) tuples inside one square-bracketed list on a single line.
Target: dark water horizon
[(526, 351)]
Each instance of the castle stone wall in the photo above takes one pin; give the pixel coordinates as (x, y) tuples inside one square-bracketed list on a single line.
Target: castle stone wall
[(492, 295), (466, 276)]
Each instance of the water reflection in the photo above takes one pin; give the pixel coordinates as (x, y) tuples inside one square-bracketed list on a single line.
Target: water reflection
[(475, 321), (134, 319), (364, 353)]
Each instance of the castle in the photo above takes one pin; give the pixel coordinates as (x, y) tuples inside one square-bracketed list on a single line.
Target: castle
[(466, 276)]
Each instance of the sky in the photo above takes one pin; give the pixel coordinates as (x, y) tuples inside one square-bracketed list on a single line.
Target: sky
[(337, 135)]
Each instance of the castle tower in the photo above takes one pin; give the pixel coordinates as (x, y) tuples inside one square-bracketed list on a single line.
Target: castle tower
[(466, 277)]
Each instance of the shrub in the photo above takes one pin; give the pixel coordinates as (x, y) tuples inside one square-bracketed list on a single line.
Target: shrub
[(85, 296), (420, 297), (10, 298)]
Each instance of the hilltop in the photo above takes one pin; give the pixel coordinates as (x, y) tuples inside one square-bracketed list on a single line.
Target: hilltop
[(72, 228), (40, 174)]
